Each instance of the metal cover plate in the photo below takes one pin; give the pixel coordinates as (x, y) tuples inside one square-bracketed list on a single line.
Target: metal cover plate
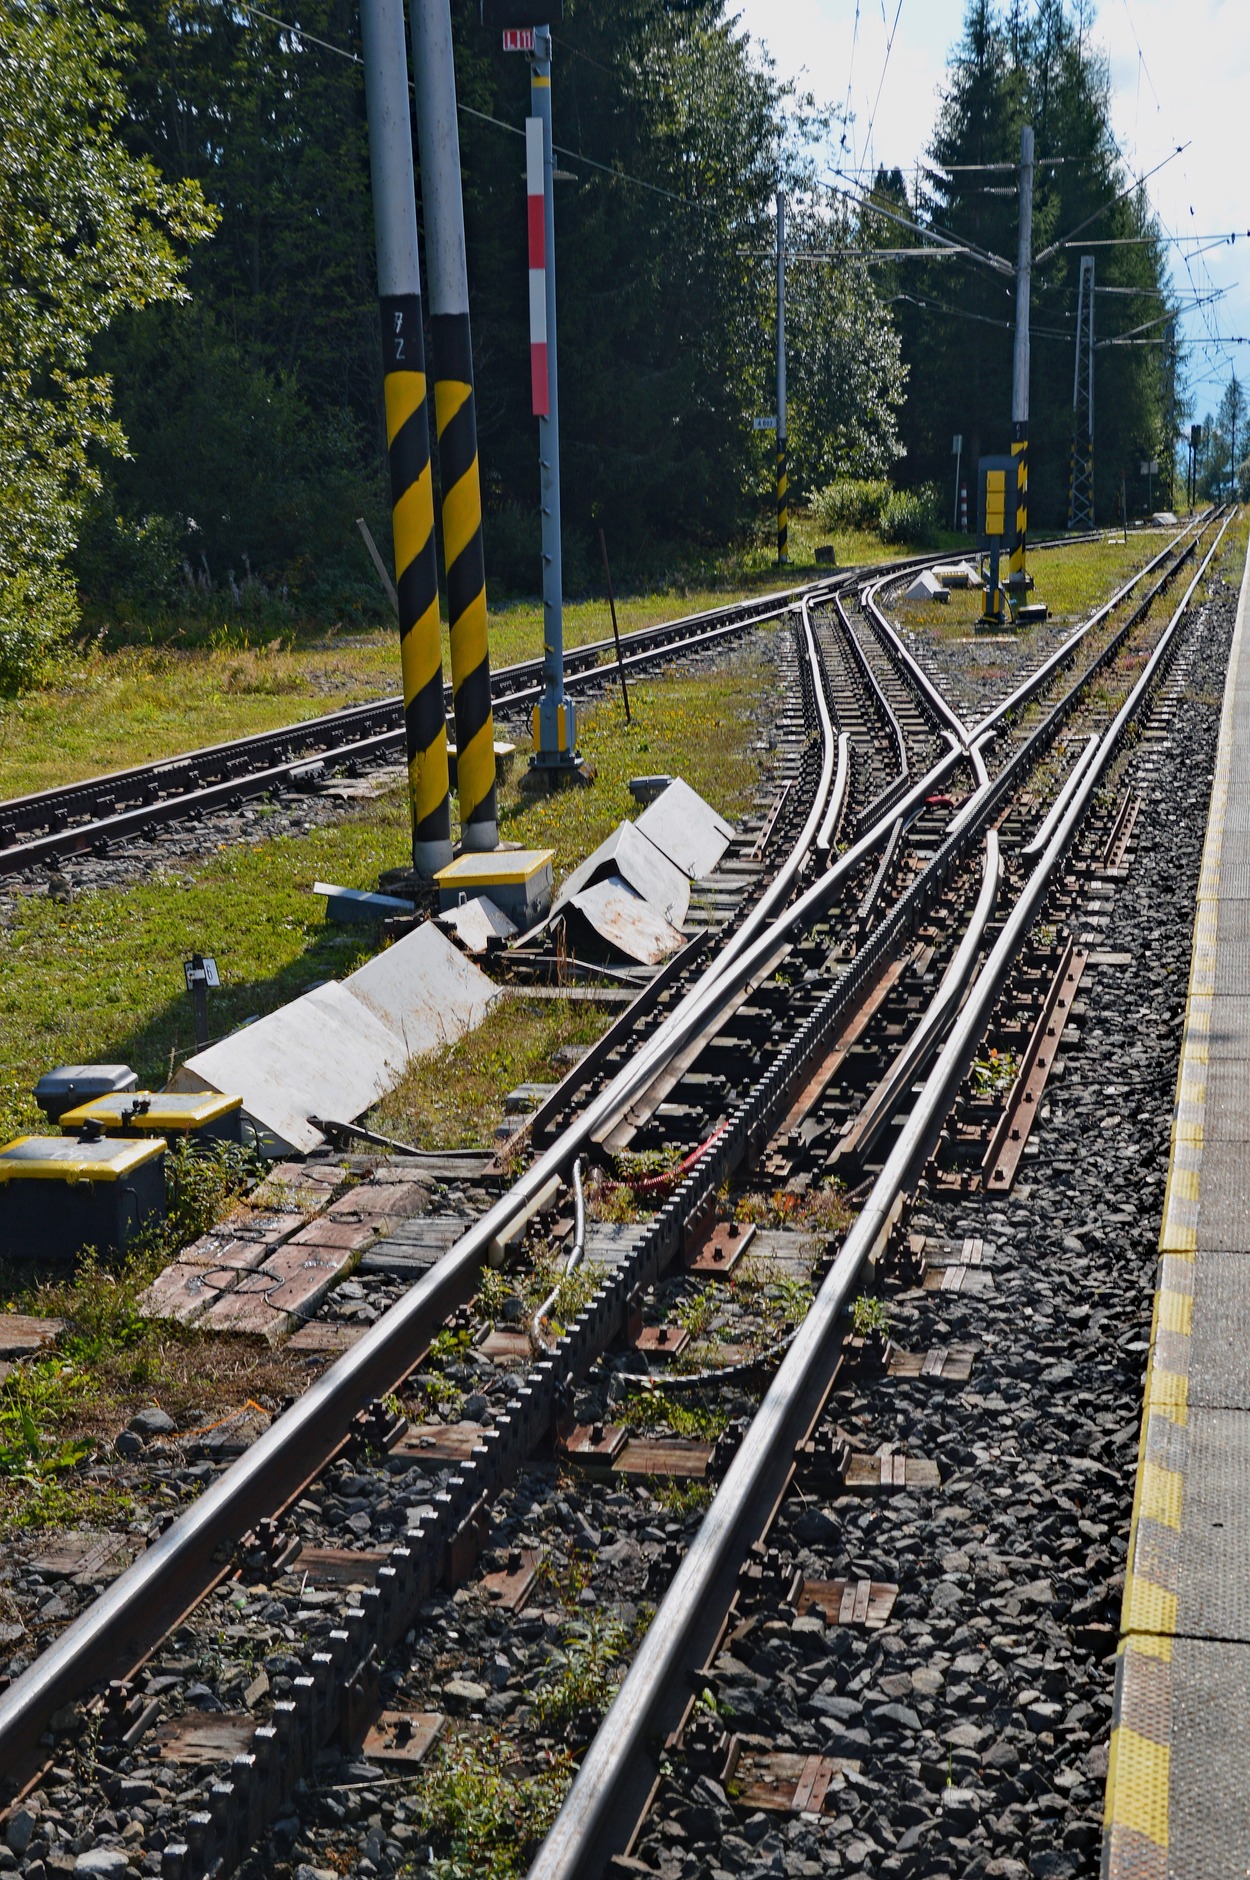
[(626, 922), (403, 1738), (630, 856)]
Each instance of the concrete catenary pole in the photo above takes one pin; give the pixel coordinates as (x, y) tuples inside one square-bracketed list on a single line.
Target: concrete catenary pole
[(783, 474), (455, 420), (555, 723), (407, 429), (1017, 576)]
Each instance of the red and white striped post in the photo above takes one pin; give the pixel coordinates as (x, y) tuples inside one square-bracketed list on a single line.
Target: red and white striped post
[(555, 719), (535, 204)]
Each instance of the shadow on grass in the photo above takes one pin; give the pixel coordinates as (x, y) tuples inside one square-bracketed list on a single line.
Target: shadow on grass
[(156, 1047)]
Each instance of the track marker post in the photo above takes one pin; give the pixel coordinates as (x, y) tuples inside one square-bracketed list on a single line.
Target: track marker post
[(1018, 581), (455, 420), (407, 430), (556, 758)]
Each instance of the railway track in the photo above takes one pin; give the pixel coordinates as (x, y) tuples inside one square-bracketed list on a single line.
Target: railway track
[(919, 849), (100, 812)]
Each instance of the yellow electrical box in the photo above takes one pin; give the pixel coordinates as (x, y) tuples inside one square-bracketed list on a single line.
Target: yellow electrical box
[(997, 475), (202, 1114)]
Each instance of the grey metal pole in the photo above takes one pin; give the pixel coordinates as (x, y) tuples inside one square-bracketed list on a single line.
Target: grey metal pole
[(407, 429), (555, 720), (783, 469), (455, 420), (1017, 576)]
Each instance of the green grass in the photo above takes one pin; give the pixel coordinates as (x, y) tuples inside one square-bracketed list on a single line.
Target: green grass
[(453, 1099), (110, 710), (100, 979)]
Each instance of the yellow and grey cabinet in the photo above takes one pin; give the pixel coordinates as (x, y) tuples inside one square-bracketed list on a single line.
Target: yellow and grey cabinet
[(60, 1194)]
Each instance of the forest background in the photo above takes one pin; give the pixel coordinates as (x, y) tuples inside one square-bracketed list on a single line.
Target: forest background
[(188, 325)]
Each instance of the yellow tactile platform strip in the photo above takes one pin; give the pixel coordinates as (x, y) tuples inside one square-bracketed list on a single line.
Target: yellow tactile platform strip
[(1136, 1815)]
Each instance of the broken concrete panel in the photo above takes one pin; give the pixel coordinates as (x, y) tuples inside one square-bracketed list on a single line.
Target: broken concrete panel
[(631, 855), (182, 1292), (686, 829), (625, 922), (337, 1049)]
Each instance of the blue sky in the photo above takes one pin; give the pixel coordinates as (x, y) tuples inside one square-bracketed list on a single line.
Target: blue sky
[(1180, 75)]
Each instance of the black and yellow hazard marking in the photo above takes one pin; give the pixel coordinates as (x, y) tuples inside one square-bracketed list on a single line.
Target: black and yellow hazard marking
[(456, 423), (1020, 451), (783, 502), (416, 569)]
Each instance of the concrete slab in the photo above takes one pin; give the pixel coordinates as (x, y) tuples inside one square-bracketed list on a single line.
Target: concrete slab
[(337, 1049), (625, 922), (631, 856), (686, 829)]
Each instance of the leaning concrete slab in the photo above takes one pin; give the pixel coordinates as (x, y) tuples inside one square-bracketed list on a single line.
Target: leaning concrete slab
[(340, 1047), (630, 853), (686, 829), (626, 922)]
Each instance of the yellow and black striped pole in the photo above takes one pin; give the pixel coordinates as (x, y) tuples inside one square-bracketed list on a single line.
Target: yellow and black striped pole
[(455, 420), (407, 430)]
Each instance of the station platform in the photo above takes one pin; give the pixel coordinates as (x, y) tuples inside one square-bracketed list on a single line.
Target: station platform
[(1178, 1785)]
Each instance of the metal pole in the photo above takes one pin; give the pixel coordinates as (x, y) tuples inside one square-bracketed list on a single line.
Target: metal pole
[(555, 721), (1017, 576), (455, 420), (407, 429), (783, 476), (620, 663)]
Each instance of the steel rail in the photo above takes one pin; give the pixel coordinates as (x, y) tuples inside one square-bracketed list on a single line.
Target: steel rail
[(891, 717), (618, 1770), (170, 791), (940, 710), (1066, 651), (874, 1116), (120, 1626)]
